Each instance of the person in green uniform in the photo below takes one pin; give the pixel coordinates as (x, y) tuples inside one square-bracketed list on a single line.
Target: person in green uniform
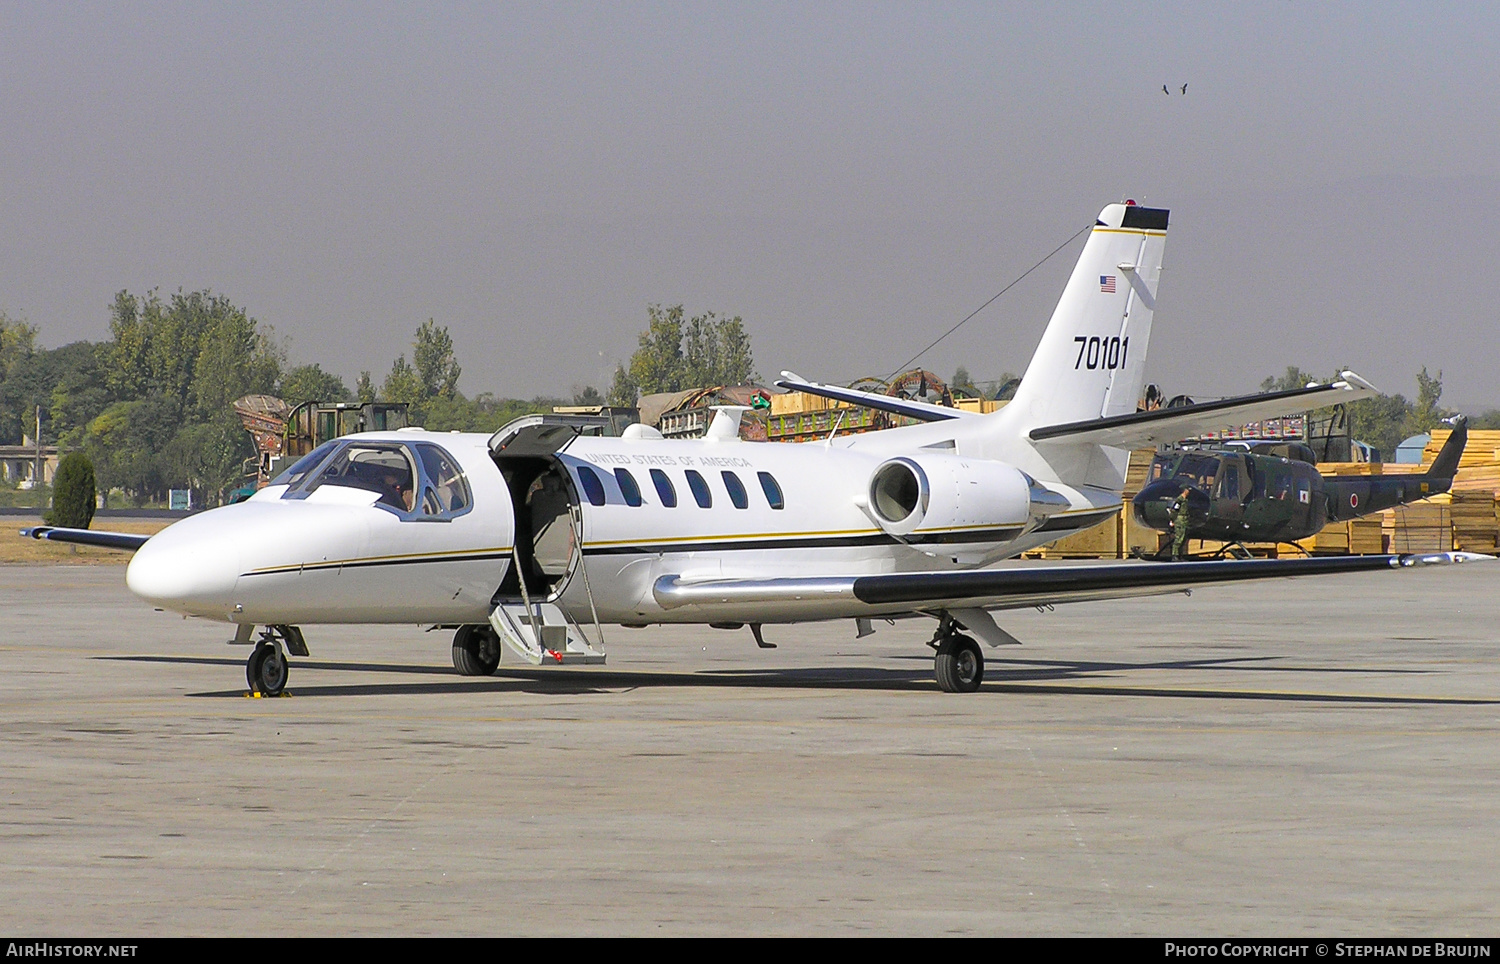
[(1180, 525)]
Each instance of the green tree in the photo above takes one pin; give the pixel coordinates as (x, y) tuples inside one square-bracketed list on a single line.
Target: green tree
[(962, 383), (310, 383), (403, 384), (128, 444), (623, 390), (1425, 414), (17, 402), (77, 390), (432, 357), (431, 375), (73, 493), (364, 389), (657, 365), (677, 353), (1293, 379), (716, 351)]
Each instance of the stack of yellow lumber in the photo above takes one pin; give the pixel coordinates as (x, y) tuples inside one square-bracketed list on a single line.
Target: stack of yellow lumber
[(795, 403), (1134, 535), (1098, 542), (1474, 523), (1365, 538), (1480, 449), (1419, 527), (983, 406), (1332, 539)]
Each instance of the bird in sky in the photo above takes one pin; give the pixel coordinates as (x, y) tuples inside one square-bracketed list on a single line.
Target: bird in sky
[(1165, 91), (1184, 88)]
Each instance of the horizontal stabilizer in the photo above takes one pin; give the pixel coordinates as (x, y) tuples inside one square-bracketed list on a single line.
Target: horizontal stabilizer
[(925, 411), (904, 592), (87, 537), (1171, 424)]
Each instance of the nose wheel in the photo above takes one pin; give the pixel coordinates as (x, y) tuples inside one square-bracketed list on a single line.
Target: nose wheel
[(959, 664), (267, 670)]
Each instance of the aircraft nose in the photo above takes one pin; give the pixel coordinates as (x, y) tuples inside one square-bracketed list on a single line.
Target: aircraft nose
[(185, 569), (1153, 504)]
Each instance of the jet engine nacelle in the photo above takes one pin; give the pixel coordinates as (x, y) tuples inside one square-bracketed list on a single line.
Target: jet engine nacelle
[(942, 492)]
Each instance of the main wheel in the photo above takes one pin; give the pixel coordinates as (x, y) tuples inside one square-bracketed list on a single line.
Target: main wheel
[(476, 651), (959, 665), (267, 671)]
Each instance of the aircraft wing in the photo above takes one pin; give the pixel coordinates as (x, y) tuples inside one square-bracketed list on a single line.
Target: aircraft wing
[(1170, 424), (87, 537), (831, 597), (926, 411)]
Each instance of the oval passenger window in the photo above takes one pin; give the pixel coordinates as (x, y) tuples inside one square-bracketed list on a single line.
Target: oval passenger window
[(736, 488), (700, 490), (628, 488), (664, 488), (769, 486), (592, 487)]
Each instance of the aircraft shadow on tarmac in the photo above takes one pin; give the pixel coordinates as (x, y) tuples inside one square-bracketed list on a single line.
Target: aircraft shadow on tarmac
[(1042, 677)]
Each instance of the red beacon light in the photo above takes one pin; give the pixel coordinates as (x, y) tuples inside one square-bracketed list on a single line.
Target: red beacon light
[(1130, 202)]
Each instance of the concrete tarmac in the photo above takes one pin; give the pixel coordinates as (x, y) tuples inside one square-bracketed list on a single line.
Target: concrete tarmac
[(1308, 757)]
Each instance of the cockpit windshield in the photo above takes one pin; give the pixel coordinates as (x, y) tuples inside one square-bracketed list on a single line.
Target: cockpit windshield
[(376, 466), (419, 481), (298, 470), (1201, 469)]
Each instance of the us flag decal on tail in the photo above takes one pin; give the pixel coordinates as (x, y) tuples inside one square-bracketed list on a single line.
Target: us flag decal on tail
[(1107, 283)]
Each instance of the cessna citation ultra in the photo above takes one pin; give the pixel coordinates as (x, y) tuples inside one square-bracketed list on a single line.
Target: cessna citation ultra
[(534, 538)]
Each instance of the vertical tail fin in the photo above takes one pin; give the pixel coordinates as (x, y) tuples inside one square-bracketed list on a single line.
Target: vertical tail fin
[(1091, 361), (1445, 466)]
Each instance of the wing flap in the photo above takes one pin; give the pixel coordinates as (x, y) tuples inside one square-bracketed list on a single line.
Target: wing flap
[(1170, 424), (87, 537)]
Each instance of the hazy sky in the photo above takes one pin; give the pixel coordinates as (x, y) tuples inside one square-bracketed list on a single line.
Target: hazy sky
[(851, 179)]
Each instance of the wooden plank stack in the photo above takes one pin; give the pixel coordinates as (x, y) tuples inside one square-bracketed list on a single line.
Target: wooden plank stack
[(1425, 526), (1097, 542), (1474, 522), (1480, 449)]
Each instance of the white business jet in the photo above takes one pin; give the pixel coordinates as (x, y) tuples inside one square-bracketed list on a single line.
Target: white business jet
[(536, 537)]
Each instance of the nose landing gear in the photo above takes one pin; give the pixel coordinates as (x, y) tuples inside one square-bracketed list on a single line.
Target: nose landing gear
[(267, 670)]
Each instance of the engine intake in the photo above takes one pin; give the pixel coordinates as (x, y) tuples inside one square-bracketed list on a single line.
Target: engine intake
[(899, 495)]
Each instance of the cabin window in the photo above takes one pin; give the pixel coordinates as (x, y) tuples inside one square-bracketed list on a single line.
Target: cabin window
[(736, 489), (628, 488), (664, 488), (772, 490), (592, 487), (445, 491), (704, 497)]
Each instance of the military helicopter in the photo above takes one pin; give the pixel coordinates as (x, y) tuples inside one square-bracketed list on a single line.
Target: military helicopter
[(1273, 492)]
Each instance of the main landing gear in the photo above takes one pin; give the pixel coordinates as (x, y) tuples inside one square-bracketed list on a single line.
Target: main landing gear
[(266, 670), (959, 664), (476, 651)]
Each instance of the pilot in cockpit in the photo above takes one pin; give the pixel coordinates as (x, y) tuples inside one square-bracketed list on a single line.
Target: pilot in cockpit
[(396, 490)]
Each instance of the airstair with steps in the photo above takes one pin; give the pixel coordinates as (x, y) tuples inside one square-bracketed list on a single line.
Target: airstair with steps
[(542, 634)]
